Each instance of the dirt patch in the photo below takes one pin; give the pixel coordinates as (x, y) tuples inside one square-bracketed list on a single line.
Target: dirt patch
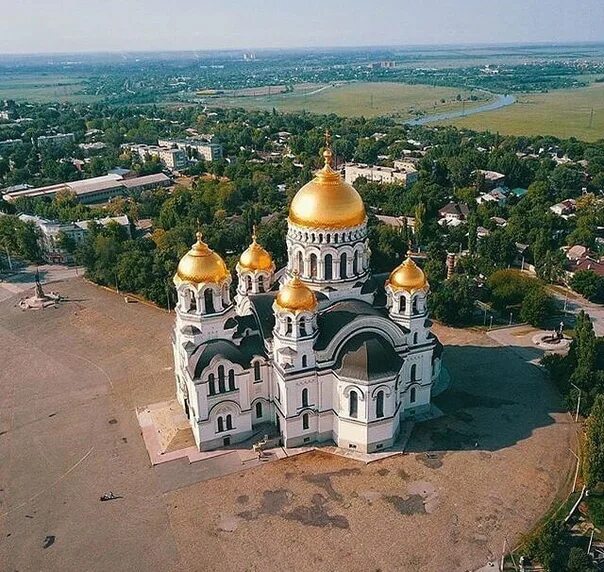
[(316, 515), (413, 504), (323, 481)]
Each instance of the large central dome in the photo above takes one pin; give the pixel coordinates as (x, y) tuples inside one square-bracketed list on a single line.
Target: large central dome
[(327, 202)]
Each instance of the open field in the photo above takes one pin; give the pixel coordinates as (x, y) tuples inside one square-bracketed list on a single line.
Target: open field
[(355, 99), (43, 88), (72, 378), (563, 113)]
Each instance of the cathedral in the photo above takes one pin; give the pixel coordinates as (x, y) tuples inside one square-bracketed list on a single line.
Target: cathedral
[(322, 350)]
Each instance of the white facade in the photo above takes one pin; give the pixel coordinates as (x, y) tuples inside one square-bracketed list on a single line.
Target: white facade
[(348, 368), (405, 174)]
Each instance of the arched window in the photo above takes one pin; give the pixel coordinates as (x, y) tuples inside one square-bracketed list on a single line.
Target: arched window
[(261, 283), (412, 395), (212, 384), (414, 305), (258, 410), (229, 422), (305, 421), (343, 264), (288, 325), (221, 384), (231, 380), (257, 376), (225, 295), (300, 262), (379, 404), (304, 361), (193, 303), (402, 304), (414, 372), (355, 263), (353, 404), (335, 238), (302, 326), (220, 424), (248, 282), (313, 265), (208, 297), (305, 397), (320, 237), (328, 238), (328, 267), (415, 339)]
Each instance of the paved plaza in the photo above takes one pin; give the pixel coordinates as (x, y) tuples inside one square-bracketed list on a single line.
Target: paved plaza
[(73, 378)]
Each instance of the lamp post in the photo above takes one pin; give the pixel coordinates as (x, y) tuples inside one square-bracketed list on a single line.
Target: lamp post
[(577, 469), (578, 401)]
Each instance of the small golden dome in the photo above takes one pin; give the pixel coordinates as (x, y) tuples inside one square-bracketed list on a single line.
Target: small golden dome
[(201, 264), (408, 276), (327, 201), (295, 296), (255, 257)]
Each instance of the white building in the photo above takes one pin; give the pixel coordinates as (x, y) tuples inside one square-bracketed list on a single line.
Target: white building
[(174, 159), (50, 232), (197, 147), (403, 175), (321, 350), (55, 140)]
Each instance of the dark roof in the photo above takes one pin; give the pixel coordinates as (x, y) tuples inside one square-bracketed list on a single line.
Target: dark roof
[(367, 357), (242, 354), (459, 209), (332, 320), (262, 308)]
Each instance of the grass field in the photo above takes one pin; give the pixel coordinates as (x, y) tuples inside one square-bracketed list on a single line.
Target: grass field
[(356, 99), (564, 113), (43, 88)]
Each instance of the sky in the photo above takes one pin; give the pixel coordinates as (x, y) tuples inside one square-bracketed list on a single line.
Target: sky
[(34, 26)]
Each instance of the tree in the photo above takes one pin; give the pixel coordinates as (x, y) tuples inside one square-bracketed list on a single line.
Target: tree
[(588, 284), (453, 302), (550, 547), (536, 306), (594, 444), (579, 561)]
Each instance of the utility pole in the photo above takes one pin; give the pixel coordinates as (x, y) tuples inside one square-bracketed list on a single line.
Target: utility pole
[(591, 118), (168, 297)]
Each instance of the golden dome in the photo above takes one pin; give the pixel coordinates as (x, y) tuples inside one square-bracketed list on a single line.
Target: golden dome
[(327, 201), (296, 296), (255, 257), (408, 276), (201, 264)]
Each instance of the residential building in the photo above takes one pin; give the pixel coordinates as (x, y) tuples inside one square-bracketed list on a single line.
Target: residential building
[(173, 159), (55, 140), (405, 176), (492, 179), (197, 148), (453, 214), (564, 208), (9, 144), (51, 231)]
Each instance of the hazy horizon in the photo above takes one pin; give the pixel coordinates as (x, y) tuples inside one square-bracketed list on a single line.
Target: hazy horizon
[(81, 26)]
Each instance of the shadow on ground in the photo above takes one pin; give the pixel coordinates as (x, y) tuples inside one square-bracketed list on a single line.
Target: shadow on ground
[(497, 398)]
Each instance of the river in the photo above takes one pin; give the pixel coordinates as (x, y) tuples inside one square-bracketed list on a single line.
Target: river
[(499, 102)]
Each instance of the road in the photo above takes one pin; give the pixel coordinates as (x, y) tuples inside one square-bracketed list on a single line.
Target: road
[(574, 303)]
